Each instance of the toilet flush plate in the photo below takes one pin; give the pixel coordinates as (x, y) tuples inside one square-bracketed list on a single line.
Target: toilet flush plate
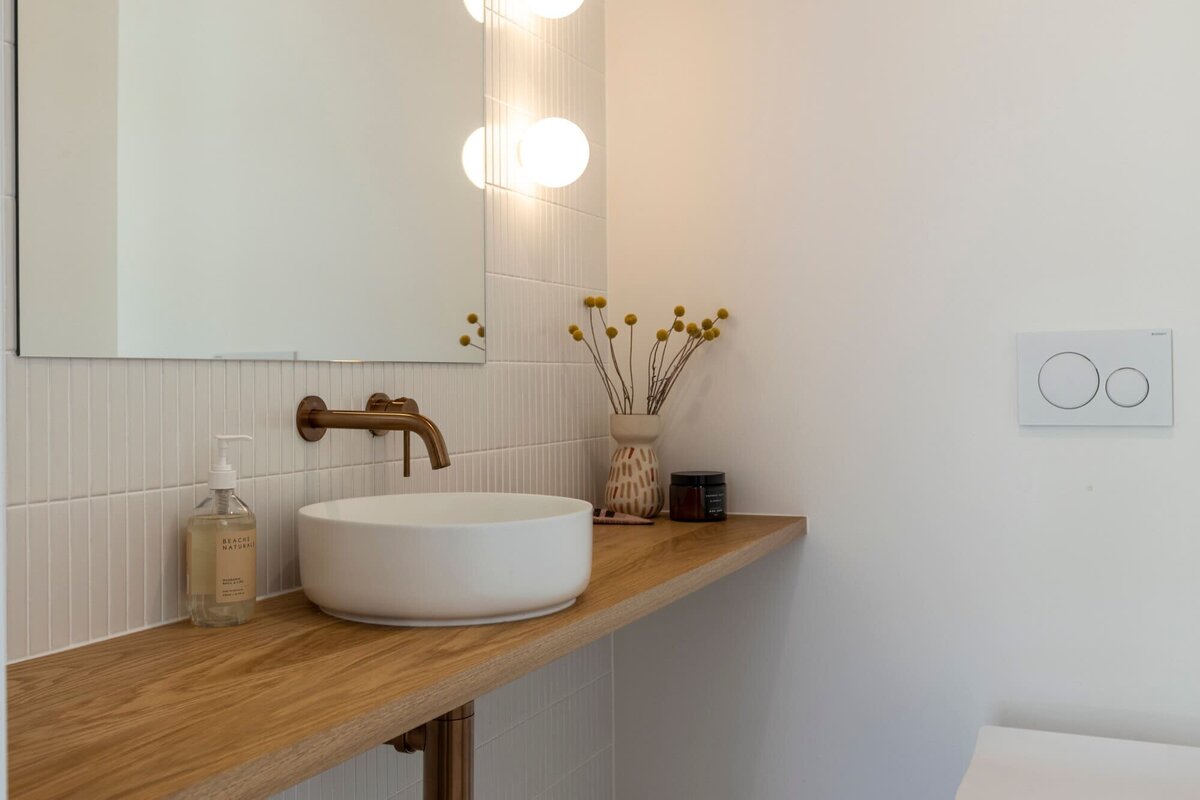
[(1101, 378)]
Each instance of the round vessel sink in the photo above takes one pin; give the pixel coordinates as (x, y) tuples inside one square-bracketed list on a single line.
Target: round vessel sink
[(445, 559)]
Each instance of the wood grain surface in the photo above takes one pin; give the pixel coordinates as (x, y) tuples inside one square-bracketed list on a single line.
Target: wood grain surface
[(242, 712)]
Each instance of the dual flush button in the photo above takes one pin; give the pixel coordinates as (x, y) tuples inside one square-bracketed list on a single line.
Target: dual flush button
[(1119, 378), (1071, 380)]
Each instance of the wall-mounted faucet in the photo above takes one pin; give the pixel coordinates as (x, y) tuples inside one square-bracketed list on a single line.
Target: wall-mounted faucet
[(383, 414)]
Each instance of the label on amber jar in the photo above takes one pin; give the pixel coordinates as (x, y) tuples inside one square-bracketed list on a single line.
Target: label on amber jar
[(235, 566), (714, 502)]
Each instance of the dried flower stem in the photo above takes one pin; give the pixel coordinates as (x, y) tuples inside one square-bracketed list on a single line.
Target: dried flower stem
[(632, 385), (663, 369), (626, 398), (609, 388), (662, 357), (663, 385)]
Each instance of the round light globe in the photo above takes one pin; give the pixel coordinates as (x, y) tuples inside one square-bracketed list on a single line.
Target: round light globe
[(554, 9), (475, 9), (473, 158), (554, 152)]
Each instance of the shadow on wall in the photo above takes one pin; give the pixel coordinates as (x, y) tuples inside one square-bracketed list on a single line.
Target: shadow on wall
[(746, 615)]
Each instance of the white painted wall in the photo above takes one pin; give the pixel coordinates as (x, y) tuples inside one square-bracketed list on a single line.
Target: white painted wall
[(884, 194)]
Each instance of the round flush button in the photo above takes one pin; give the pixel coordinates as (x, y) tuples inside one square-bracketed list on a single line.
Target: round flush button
[(1069, 380), (1127, 387)]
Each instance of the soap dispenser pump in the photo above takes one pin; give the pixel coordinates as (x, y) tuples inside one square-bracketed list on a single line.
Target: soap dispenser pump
[(220, 549)]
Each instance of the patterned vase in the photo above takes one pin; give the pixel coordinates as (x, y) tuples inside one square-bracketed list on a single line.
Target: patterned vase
[(634, 484)]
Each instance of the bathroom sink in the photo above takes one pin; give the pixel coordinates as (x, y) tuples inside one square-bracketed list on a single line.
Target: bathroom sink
[(445, 559)]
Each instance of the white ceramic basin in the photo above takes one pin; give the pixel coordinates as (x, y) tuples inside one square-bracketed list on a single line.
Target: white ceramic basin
[(445, 559)]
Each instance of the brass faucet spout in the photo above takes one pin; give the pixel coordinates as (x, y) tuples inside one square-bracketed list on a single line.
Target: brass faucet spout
[(313, 418)]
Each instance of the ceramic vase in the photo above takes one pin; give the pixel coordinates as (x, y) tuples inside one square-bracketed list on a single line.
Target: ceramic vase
[(634, 482)]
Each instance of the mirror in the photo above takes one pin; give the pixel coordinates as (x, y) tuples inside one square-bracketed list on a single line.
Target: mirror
[(284, 179)]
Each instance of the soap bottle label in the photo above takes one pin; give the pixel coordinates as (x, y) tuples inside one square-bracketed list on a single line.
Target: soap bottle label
[(235, 566)]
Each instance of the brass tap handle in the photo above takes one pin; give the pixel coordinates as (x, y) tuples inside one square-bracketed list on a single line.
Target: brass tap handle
[(381, 402)]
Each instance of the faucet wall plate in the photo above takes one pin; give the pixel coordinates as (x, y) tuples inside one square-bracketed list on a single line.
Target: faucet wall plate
[(308, 431)]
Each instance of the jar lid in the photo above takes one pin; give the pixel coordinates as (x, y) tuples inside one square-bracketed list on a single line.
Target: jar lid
[(697, 478)]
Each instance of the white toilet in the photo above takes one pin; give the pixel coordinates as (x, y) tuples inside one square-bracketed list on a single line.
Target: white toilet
[(1017, 764)]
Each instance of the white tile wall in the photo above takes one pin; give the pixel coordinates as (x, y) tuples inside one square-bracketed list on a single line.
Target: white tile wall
[(105, 457)]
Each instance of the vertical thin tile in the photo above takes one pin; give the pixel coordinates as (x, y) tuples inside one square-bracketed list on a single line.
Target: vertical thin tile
[(256, 494), (186, 424), (80, 552), (59, 575), (17, 427), (39, 575), (59, 407), (98, 413), (117, 420), (154, 557), (174, 512), (17, 582), (169, 423), (260, 405), (135, 550), (98, 567), (273, 403), (118, 564), (202, 420)]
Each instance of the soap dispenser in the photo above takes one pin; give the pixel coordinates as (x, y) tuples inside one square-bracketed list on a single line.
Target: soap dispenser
[(220, 549)]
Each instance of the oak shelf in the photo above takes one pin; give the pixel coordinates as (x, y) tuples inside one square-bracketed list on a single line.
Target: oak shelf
[(242, 712)]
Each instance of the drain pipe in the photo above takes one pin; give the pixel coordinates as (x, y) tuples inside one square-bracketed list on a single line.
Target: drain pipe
[(448, 744)]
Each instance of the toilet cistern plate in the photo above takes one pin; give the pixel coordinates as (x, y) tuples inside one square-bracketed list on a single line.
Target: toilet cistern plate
[(1100, 378)]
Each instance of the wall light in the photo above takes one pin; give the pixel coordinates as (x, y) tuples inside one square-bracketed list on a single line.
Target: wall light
[(473, 158), (554, 9), (554, 152), (475, 8)]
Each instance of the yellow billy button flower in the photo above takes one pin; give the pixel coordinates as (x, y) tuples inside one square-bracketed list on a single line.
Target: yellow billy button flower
[(612, 333), (678, 326), (716, 332), (464, 340), (601, 302), (722, 313), (577, 335), (631, 319), (662, 335), (571, 330), (692, 327), (709, 335), (680, 311), (706, 324), (472, 318), (590, 302), (482, 334)]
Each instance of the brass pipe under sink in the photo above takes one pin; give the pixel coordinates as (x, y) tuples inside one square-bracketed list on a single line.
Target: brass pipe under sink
[(313, 418), (448, 743)]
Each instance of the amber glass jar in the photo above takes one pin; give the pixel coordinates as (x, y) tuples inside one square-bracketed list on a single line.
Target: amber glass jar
[(698, 496)]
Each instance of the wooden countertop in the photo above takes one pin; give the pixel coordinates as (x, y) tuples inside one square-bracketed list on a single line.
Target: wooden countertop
[(245, 711)]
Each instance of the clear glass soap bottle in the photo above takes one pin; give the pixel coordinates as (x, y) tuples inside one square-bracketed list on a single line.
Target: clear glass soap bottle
[(220, 550)]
